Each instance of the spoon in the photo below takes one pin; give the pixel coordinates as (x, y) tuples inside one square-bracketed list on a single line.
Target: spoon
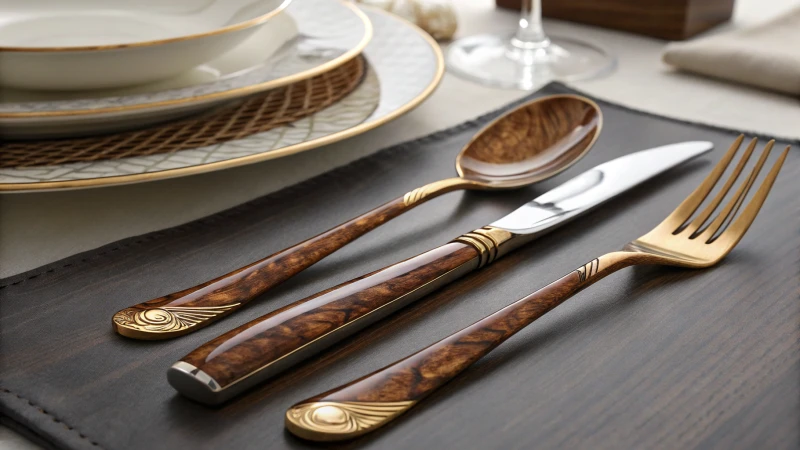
[(528, 144)]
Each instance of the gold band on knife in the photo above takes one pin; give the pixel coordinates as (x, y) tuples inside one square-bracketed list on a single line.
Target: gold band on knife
[(487, 241)]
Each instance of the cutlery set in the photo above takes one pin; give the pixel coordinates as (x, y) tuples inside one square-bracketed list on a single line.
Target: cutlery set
[(531, 143), (247, 355)]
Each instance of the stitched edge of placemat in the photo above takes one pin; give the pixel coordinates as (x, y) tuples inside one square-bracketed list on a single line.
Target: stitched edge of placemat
[(125, 243), (24, 424), (69, 433)]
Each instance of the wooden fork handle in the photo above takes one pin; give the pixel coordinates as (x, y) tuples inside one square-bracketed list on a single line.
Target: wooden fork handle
[(185, 311), (372, 401)]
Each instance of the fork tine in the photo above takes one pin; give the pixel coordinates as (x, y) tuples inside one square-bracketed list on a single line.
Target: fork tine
[(733, 205), (734, 233), (685, 210), (701, 219)]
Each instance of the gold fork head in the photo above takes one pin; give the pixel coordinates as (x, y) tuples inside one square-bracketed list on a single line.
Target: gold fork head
[(704, 241)]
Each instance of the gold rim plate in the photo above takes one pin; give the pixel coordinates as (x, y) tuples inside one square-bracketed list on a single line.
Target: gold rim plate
[(223, 95), (93, 48), (250, 159)]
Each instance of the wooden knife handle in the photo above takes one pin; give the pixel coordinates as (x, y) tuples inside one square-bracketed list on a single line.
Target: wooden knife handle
[(374, 400), (182, 312), (242, 357)]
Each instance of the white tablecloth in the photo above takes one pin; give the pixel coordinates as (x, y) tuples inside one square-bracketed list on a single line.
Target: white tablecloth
[(40, 228)]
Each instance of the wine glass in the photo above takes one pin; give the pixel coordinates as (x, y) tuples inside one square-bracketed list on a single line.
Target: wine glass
[(529, 58)]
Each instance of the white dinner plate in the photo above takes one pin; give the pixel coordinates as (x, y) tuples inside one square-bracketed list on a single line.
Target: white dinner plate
[(327, 34), (406, 65), (85, 44)]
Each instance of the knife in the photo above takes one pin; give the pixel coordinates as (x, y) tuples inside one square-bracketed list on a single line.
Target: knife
[(243, 357)]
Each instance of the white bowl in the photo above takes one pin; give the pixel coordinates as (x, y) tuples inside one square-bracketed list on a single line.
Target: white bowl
[(92, 44)]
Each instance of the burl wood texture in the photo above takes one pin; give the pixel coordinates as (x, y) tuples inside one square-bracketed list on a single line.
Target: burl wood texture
[(421, 373), (664, 19), (250, 347), (238, 287), (530, 142), (425, 371)]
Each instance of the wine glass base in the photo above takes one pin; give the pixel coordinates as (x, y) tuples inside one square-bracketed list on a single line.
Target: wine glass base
[(499, 61)]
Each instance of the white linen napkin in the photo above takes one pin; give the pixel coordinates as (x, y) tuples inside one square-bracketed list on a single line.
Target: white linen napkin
[(766, 56)]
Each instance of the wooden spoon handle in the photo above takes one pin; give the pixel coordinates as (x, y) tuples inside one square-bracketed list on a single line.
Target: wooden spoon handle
[(253, 352), (372, 401), (185, 311)]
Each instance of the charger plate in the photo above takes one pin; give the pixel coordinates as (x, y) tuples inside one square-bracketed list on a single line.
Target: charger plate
[(405, 60), (309, 38), (256, 114)]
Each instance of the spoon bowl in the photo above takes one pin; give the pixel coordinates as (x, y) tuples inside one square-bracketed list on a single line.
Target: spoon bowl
[(531, 143)]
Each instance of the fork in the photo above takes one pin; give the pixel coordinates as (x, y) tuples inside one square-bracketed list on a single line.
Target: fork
[(376, 399)]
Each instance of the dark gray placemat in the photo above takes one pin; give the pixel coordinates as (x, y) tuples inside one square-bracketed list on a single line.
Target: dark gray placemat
[(649, 358)]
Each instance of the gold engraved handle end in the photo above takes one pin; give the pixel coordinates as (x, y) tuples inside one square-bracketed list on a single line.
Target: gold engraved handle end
[(165, 322), (337, 421)]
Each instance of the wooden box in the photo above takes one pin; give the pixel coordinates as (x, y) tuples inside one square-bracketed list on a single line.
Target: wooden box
[(665, 19)]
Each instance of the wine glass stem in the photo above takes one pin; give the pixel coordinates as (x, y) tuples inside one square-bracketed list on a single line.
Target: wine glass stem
[(530, 34)]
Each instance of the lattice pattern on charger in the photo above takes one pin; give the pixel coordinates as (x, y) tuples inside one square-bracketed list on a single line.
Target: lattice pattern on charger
[(255, 114)]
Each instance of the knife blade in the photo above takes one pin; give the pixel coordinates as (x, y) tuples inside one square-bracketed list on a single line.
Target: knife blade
[(243, 357)]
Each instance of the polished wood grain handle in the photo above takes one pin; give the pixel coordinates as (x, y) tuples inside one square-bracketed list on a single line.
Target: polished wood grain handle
[(372, 401), (182, 312), (242, 357)]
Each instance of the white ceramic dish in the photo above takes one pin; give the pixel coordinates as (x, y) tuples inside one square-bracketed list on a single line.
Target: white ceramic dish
[(404, 58), (310, 37), (95, 44)]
